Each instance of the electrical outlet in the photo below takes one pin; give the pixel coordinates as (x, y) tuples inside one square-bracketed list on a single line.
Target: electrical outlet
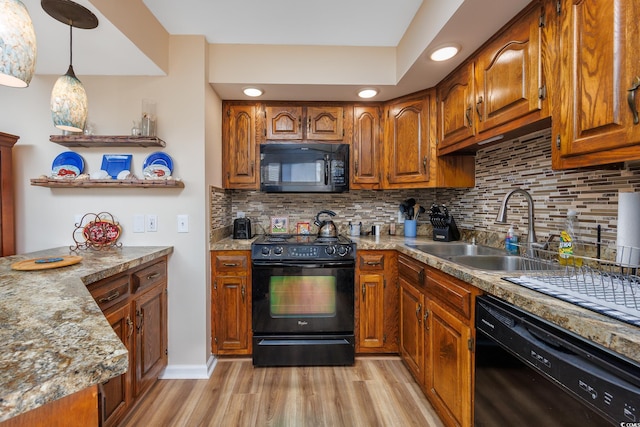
[(152, 223), (138, 223), (183, 223), (240, 214)]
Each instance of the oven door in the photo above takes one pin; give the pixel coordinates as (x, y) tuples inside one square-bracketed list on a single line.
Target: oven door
[(303, 298)]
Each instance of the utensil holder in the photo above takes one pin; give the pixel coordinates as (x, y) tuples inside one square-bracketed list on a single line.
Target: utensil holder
[(410, 227)]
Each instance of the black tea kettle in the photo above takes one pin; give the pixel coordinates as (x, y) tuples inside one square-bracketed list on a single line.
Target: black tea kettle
[(326, 228)]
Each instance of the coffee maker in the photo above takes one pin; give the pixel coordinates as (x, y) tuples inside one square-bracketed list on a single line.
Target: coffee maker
[(242, 228)]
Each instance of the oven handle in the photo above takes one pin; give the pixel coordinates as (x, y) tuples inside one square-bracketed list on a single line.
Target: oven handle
[(301, 265)]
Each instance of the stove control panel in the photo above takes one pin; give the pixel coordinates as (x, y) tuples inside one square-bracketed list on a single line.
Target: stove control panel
[(302, 252)]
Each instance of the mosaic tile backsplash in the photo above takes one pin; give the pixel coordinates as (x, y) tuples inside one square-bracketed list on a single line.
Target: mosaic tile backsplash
[(521, 163)]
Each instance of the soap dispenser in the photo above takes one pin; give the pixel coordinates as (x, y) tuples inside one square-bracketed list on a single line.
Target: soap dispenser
[(511, 241)]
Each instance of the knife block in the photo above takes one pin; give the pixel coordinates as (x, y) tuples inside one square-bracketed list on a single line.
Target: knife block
[(445, 229)]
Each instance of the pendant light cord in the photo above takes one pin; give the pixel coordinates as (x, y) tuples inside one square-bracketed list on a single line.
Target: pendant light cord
[(71, 44)]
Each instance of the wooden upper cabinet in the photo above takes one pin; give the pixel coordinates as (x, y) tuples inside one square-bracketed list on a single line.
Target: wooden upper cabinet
[(325, 123), (456, 107), (509, 80), (406, 142), (240, 168), (284, 122), (299, 122), (599, 66), (366, 148)]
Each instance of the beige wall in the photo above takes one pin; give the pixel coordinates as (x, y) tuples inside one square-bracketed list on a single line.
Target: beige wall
[(45, 217)]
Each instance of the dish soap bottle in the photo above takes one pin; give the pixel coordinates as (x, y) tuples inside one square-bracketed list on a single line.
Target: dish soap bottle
[(511, 241), (569, 248)]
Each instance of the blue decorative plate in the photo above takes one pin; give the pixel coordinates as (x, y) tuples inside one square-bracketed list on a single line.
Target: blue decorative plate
[(116, 163), (157, 165), (67, 165)]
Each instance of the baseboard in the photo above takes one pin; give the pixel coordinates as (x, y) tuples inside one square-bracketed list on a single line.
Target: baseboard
[(190, 372)]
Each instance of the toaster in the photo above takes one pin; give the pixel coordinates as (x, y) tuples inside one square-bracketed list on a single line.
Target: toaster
[(242, 228)]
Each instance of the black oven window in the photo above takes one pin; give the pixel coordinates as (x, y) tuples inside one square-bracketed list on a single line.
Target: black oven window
[(293, 296)]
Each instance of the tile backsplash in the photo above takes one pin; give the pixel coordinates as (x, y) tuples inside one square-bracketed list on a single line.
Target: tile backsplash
[(520, 163)]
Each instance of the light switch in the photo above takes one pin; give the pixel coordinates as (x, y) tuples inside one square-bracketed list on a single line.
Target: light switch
[(152, 222), (183, 223)]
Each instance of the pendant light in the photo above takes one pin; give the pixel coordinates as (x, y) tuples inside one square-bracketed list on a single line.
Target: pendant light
[(17, 44), (69, 104)]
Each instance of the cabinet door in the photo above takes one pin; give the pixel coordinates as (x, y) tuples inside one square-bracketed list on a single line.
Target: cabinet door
[(371, 315), (114, 396), (150, 310), (509, 74), (448, 376), (366, 148), (456, 104), (411, 330), (598, 65), (284, 122), (239, 145), (232, 296), (406, 143), (325, 123)]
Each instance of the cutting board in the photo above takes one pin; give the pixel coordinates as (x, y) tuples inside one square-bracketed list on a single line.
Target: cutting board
[(46, 263)]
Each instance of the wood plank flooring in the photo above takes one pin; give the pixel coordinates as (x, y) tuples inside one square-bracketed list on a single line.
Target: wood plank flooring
[(376, 391)]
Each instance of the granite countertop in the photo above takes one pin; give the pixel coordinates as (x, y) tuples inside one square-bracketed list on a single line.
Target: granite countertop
[(55, 340), (615, 335)]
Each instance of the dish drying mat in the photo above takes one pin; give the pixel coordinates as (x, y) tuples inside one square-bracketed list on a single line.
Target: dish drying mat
[(618, 298)]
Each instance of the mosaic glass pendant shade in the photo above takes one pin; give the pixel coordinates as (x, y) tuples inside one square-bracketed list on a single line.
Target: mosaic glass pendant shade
[(17, 44), (69, 103)]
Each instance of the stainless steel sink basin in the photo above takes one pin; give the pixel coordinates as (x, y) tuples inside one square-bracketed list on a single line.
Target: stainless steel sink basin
[(446, 250), (493, 262)]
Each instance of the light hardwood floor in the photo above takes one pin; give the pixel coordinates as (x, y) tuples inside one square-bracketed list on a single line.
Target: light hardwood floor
[(374, 392)]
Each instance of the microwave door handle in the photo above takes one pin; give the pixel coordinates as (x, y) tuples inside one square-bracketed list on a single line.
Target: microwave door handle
[(326, 171)]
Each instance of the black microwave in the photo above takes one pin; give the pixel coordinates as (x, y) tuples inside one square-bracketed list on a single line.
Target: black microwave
[(304, 168)]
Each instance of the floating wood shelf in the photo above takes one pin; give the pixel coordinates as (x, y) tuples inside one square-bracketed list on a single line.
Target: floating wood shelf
[(89, 141), (104, 183)]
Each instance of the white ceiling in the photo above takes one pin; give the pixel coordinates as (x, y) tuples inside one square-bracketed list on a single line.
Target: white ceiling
[(360, 23)]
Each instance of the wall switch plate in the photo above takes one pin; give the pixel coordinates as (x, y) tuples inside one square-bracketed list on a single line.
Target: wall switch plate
[(183, 223), (152, 223), (138, 223)]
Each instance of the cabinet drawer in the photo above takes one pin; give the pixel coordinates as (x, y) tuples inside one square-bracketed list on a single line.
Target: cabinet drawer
[(371, 262), (411, 270), (110, 291), (149, 276), (235, 263), (450, 291)]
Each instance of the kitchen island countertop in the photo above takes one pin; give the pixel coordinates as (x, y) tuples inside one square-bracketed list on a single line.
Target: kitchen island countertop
[(615, 335), (55, 339)]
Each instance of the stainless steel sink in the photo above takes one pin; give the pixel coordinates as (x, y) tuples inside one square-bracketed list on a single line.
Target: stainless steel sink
[(477, 256), (493, 262), (445, 250)]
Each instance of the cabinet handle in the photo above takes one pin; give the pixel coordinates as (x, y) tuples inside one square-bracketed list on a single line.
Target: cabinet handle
[(478, 104), (242, 291), (364, 291), (631, 99), (308, 125), (426, 315), (153, 276), (418, 310), (373, 263), (230, 264), (355, 166), (111, 297), (252, 167), (140, 316), (130, 326), (421, 276), (468, 116), (424, 164)]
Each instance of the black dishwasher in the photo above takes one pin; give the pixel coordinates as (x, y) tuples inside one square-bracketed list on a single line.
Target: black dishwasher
[(530, 372)]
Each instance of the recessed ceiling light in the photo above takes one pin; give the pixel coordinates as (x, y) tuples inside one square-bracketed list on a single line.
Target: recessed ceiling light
[(367, 93), (444, 52), (252, 91)]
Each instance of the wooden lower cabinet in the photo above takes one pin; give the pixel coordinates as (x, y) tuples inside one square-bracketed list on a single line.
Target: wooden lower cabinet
[(231, 303), (135, 304), (376, 302), (437, 337)]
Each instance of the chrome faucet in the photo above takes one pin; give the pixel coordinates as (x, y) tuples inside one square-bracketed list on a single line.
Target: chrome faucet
[(502, 214)]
